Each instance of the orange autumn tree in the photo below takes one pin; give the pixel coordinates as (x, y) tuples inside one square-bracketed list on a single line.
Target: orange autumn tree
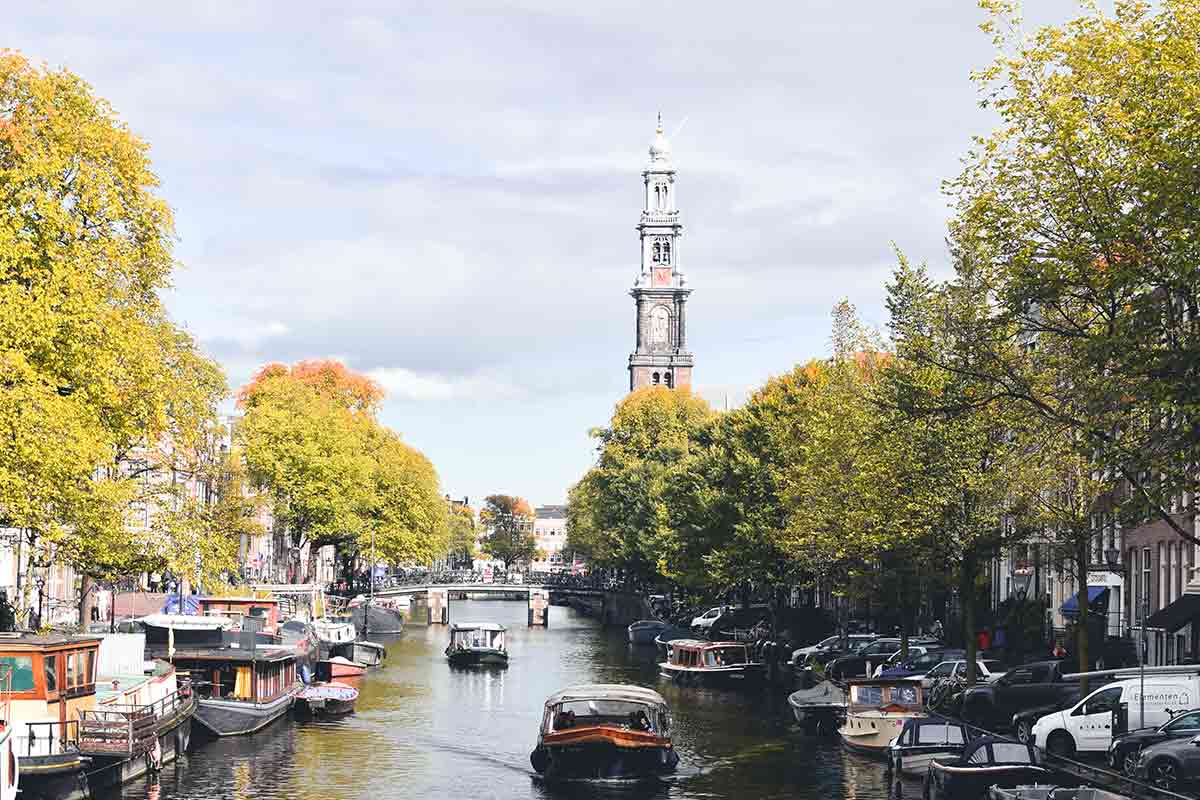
[(335, 475)]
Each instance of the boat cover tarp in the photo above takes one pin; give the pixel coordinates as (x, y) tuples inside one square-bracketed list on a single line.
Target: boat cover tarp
[(190, 605)]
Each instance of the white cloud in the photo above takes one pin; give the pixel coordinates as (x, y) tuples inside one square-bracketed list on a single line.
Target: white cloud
[(407, 384)]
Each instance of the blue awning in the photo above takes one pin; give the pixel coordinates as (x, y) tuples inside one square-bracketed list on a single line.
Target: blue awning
[(1071, 607)]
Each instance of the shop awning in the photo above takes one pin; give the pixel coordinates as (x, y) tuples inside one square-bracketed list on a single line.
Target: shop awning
[(1184, 610), (1071, 607)]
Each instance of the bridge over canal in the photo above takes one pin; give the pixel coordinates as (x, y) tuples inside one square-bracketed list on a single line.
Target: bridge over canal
[(612, 607)]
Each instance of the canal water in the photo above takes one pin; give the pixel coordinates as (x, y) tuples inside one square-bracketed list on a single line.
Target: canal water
[(422, 730)]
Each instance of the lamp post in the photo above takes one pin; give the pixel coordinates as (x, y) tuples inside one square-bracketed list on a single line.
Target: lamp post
[(1142, 664), (40, 582)]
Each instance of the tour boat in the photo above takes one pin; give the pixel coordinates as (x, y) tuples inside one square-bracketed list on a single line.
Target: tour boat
[(695, 662), (326, 700), (877, 710), (369, 654), (476, 644), (341, 667), (605, 732), (821, 706), (644, 631)]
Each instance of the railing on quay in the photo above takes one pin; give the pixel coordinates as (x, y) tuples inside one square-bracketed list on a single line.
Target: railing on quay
[(596, 581)]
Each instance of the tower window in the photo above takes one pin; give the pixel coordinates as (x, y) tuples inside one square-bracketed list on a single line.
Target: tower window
[(666, 252), (667, 379), (656, 379), (657, 252)]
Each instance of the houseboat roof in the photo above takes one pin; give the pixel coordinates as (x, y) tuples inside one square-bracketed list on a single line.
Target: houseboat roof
[(476, 626), (607, 691), (263, 652), (38, 641), (187, 622), (266, 600)]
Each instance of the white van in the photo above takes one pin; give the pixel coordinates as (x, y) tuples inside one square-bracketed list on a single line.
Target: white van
[(1087, 726)]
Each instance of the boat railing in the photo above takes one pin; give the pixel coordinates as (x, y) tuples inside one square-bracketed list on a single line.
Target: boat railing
[(128, 730), (50, 738)]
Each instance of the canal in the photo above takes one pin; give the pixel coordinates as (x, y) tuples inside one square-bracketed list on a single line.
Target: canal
[(423, 730)]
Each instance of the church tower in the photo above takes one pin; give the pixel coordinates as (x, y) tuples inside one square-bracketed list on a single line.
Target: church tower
[(660, 356)]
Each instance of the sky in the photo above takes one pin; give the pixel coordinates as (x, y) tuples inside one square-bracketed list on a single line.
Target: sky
[(444, 195)]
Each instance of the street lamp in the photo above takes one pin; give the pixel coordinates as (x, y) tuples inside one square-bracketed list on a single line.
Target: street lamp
[(40, 582), (1112, 556)]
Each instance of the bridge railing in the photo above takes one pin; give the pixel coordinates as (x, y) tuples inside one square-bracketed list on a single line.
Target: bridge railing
[(599, 580)]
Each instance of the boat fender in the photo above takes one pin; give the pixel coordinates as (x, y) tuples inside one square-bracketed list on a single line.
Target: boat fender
[(538, 759)]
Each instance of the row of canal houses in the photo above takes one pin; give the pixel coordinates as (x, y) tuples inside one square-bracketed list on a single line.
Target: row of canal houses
[(84, 712)]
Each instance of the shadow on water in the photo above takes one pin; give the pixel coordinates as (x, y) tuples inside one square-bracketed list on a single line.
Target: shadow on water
[(424, 730)]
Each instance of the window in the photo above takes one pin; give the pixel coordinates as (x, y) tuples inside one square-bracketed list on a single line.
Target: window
[(1041, 674), (1146, 574), (72, 670), (50, 667), (905, 695), (939, 734), (657, 252), (941, 670), (1188, 723), (22, 672), (1103, 702), (666, 252), (1163, 579), (657, 379), (667, 379), (980, 756), (1010, 753)]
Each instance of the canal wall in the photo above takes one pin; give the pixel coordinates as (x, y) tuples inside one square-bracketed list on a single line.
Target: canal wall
[(611, 608)]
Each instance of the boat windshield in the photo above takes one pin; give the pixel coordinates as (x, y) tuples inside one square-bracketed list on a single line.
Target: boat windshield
[(613, 713), (474, 637), (724, 656)]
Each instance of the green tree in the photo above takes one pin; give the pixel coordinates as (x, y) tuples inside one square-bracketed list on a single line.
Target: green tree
[(509, 524), (405, 509), (462, 535), (1082, 203)]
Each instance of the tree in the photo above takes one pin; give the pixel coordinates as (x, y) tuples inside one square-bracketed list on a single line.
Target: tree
[(309, 453), (462, 536), (405, 509), (1082, 203), (620, 513), (92, 368), (509, 524)]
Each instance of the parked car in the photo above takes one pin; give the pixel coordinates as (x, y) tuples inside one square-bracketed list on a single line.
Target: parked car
[(894, 660), (920, 664), (705, 621), (1023, 721), (830, 644), (855, 665), (1036, 685), (1172, 765), (1125, 749), (986, 670), (1088, 725)]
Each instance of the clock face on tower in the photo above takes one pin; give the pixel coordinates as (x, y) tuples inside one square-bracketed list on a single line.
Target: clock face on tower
[(661, 276)]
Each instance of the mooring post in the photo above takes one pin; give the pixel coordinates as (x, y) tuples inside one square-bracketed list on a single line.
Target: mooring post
[(439, 606), (538, 606)]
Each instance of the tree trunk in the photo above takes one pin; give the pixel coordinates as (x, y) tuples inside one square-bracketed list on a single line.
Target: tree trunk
[(1081, 630), (87, 600), (966, 593), (310, 570)]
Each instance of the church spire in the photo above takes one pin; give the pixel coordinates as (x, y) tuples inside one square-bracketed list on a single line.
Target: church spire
[(661, 292)]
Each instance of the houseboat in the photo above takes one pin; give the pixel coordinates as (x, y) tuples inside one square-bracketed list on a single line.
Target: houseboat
[(9, 771), (876, 712), (691, 661), (333, 635), (644, 631), (604, 732), (820, 708), (477, 644), (263, 613), (52, 679)]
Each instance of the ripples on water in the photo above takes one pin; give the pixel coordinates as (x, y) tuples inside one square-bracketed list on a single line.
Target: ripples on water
[(423, 730)]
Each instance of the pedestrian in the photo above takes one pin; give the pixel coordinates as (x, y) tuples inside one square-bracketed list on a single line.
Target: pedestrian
[(1059, 651)]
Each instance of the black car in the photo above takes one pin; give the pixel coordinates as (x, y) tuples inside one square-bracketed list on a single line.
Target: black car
[(1170, 765), (855, 664), (1023, 721), (1124, 751)]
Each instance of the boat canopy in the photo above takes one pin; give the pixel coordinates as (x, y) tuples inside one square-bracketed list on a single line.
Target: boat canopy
[(476, 626), (187, 622), (607, 691)]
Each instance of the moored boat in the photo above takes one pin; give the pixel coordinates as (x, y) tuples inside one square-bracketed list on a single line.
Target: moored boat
[(691, 661), (644, 631), (670, 634), (477, 644), (1050, 792), (369, 654), (985, 762), (379, 616), (333, 635), (876, 711), (324, 700), (341, 667), (822, 707), (604, 732), (923, 739)]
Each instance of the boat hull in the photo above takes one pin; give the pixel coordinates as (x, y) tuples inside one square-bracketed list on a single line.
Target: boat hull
[(603, 754), (368, 654), (339, 670), (872, 734), (969, 783), (376, 619), (734, 675), (481, 657), (239, 718), (644, 635)]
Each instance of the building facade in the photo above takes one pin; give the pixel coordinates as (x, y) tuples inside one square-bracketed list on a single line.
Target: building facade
[(660, 356), (550, 533)]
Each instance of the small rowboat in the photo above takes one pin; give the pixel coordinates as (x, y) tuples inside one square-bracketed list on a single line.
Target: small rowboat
[(326, 700)]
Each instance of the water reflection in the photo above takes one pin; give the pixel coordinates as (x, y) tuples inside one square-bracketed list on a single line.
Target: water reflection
[(424, 730)]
